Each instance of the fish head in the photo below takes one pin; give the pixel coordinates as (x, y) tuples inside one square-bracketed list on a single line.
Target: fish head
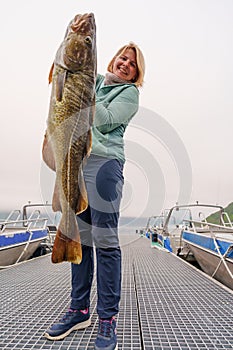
[(79, 46)]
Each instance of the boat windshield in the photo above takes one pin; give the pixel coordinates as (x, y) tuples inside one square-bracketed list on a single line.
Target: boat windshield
[(179, 218)]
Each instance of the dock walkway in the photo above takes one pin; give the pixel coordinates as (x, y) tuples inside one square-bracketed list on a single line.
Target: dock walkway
[(165, 304)]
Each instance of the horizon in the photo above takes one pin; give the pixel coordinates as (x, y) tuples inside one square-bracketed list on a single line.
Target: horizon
[(177, 146)]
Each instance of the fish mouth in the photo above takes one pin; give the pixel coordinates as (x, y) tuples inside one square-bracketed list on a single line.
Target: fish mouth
[(76, 63), (83, 23), (78, 45)]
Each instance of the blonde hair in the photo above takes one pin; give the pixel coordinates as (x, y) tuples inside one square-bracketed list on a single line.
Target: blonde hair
[(138, 81)]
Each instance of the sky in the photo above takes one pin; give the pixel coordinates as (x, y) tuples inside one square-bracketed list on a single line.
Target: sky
[(178, 146)]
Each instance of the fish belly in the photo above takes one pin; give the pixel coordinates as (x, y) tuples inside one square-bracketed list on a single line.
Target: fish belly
[(70, 140)]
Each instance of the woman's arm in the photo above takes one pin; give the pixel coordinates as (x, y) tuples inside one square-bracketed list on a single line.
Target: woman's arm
[(119, 111)]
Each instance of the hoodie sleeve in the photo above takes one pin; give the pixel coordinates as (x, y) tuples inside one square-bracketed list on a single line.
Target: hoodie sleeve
[(109, 115)]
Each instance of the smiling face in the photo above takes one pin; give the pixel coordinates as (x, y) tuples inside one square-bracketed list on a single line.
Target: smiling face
[(125, 65)]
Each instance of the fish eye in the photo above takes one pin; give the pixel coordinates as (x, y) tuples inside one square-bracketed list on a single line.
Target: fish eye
[(88, 40)]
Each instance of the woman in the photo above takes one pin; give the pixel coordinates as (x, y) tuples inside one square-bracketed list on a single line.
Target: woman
[(117, 101)]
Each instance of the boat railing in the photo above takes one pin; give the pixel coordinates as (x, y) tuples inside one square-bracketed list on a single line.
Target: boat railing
[(222, 258), (14, 213), (187, 207), (228, 221), (28, 224), (52, 229), (31, 223), (204, 225), (213, 229), (202, 217), (34, 215)]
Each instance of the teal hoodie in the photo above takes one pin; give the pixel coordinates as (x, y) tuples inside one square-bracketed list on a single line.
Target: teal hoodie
[(115, 107)]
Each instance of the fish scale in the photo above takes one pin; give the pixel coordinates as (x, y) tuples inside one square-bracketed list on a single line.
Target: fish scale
[(67, 141)]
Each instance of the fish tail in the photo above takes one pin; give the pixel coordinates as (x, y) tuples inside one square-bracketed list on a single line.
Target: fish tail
[(59, 248), (74, 252), (65, 249)]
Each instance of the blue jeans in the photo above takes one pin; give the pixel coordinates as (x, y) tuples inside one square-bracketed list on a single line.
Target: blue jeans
[(98, 226)]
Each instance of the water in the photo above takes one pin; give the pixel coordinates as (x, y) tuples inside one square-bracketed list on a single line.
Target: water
[(3, 215), (127, 225), (131, 224)]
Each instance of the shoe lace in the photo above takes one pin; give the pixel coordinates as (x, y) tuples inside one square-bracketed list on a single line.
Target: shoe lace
[(105, 327), (67, 315)]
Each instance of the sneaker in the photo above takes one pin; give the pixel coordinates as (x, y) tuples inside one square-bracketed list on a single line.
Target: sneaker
[(73, 320), (107, 335)]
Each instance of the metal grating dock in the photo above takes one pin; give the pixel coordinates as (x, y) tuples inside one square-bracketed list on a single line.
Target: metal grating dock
[(165, 304)]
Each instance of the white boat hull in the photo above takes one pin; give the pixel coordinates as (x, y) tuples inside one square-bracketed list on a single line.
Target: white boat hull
[(12, 254), (19, 246), (211, 263)]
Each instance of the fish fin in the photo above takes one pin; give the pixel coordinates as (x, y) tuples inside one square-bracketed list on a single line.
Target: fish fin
[(65, 249), (82, 200), (89, 143), (74, 252), (47, 153), (60, 82), (59, 248), (51, 74), (92, 112), (89, 135), (56, 204)]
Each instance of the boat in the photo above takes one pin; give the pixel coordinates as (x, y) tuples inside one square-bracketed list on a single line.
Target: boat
[(25, 234), (165, 230), (212, 247), (152, 231)]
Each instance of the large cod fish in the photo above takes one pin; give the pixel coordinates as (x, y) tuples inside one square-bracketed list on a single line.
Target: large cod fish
[(67, 141)]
